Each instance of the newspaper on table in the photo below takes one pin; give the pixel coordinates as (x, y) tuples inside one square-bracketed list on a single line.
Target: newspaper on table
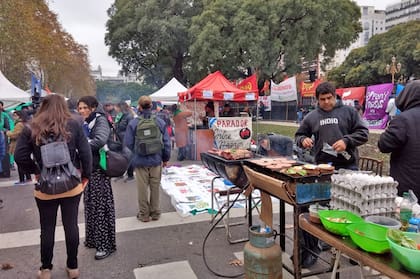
[(190, 189)]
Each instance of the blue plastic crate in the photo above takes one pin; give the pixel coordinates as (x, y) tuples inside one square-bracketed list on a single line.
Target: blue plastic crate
[(312, 192)]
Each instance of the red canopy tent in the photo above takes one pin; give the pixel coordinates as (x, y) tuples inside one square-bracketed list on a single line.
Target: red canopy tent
[(216, 87)]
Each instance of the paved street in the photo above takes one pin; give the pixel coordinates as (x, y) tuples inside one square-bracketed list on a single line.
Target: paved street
[(168, 248)]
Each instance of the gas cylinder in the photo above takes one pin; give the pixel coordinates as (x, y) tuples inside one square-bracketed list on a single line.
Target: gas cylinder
[(262, 256)]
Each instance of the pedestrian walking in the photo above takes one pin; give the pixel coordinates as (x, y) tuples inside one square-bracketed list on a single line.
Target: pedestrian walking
[(53, 121), (21, 120), (181, 131), (149, 158), (98, 197)]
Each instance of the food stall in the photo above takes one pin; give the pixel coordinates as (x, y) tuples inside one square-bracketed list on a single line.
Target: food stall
[(295, 183), (217, 88)]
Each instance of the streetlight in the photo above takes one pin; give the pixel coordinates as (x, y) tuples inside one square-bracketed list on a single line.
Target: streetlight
[(394, 68)]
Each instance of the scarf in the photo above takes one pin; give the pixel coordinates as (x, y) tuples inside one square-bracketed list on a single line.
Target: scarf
[(89, 123)]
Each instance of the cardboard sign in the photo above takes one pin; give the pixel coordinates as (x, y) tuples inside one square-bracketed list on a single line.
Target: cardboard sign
[(232, 132)]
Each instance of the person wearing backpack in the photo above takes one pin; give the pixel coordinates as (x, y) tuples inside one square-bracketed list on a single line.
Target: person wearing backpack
[(53, 122), (148, 138), (98, 197)]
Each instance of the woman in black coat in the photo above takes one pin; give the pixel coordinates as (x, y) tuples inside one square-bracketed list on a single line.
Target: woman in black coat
[(98, 196), (53, 120)]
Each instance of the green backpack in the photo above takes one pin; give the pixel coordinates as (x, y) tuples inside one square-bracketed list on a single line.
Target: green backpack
[(148, 136)]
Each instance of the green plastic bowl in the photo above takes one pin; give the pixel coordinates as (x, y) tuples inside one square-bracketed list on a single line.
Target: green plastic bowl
[(369, 237), (409, 258), (338, 227)]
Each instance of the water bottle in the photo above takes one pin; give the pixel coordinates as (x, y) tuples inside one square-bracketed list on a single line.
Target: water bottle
[(406, 211)]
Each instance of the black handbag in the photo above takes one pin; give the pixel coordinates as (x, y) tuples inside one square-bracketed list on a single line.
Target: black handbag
[(117, 157)]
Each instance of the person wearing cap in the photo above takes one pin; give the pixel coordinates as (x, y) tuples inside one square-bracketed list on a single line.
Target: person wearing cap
[(181, 131), (148, 168)]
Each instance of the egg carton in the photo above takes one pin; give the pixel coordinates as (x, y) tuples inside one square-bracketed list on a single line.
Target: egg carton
[(382, 207)]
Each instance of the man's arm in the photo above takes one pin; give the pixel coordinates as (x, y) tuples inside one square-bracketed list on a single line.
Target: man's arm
[(359, 134), (303, 135), (394, 137)]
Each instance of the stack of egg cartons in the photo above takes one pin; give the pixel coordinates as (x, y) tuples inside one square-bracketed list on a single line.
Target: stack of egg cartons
[(363, 193)]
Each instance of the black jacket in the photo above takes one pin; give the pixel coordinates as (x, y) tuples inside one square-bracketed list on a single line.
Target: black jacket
[(343, 122), (99, 133), (78, 147), (121, 125), (402, 139)]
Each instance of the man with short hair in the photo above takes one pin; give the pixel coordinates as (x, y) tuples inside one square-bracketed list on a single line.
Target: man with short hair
[(148, 168), (337, 130), (334, 131)]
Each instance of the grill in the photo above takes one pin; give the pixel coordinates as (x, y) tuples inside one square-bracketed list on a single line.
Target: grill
[(326, 177), (292, 189), (231, 170)]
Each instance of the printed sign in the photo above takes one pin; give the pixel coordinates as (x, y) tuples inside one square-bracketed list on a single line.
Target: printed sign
[(232, 132), (285, 91), (376, 100)]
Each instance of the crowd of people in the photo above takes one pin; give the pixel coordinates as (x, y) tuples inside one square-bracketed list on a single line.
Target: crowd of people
[(333, 131)]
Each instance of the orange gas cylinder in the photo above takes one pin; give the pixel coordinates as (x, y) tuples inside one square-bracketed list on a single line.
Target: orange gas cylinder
[(262, 256)]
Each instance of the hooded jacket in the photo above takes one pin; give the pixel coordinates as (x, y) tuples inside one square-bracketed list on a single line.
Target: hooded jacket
[(402, 140), (343, 122)]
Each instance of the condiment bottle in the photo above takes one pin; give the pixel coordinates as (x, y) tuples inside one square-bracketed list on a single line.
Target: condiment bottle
[(406, 211)]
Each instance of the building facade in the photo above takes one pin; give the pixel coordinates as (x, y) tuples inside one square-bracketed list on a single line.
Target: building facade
[(404, 11), (373, 22)]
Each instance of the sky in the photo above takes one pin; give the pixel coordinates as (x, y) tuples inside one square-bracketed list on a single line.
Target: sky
[(85, 21)]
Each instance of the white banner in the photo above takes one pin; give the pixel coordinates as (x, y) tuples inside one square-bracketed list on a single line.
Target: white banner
[(285, 91), (266, 101), (232, 132)]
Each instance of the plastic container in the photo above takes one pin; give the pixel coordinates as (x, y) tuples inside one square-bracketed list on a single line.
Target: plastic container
[(409, 258), (336, 221), (369, 237), (388, 222), (406, 211), (313, 212)]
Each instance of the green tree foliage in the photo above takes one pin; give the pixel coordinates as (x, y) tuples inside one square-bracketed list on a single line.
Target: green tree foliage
[(188, 39), (111, 92), (32, 40), (367, 65), (150, 37)]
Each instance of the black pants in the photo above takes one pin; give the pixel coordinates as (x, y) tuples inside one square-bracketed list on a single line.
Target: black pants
[(48, 219), (130, 171), (23, 175)]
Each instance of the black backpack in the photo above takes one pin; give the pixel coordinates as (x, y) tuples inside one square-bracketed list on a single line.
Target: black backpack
[(148, 139), (58, 174)]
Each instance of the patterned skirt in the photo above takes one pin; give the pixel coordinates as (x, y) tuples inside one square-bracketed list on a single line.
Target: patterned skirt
[(99, 213)]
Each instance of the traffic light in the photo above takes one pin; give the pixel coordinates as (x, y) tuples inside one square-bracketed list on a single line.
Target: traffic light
[(312, 75), (36, 99)]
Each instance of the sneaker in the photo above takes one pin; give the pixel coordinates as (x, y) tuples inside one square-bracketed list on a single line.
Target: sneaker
[(130, 178), (142, 218), (17, 183), (44, 274), (73, 273), (155, 218), (100, 255)]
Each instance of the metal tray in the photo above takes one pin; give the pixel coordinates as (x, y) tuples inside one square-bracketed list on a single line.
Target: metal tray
[(324, 177), (229, 169)]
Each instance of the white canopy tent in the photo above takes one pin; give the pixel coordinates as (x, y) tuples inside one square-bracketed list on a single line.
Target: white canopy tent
[(168, 94), (10, 94)]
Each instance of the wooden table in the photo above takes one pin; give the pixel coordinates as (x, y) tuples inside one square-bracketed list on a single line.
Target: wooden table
[(386, 264)]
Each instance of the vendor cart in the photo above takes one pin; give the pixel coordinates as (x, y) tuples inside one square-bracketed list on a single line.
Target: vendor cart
[(298, 191)]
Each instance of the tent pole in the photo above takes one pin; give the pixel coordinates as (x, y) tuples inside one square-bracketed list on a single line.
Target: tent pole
[(195, 129)]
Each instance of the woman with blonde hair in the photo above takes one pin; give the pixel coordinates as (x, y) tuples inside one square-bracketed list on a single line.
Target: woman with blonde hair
[(53, 121)]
